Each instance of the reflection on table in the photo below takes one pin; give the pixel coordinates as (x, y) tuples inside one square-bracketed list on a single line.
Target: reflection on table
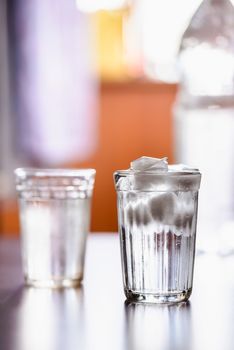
[(96, 315)]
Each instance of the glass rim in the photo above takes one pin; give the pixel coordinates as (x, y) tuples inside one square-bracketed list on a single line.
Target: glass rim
[(169, 173), (53, 172)]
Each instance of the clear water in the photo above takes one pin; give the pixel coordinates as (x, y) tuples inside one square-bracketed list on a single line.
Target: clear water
[(157, 235), (53, 235)]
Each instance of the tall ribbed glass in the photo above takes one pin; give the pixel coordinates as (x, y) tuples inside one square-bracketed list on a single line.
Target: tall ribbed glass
[(157, 215)]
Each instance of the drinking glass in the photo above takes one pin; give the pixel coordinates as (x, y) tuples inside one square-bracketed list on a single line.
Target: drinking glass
[(157, 216), (54, 206)]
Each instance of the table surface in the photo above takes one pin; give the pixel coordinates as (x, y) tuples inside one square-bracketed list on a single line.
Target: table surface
[(96, 316)]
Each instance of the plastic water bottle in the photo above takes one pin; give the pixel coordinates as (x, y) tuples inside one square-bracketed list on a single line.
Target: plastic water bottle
[(204, 119)]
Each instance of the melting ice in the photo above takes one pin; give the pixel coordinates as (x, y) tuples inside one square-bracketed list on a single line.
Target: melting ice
[(173, 209)]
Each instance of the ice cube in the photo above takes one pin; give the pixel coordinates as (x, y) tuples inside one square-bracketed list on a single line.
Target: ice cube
[(163, 207), (181, 167), (130, 214), (123, 184), (137, 211), (185, 212), (131, 200), (149, 163), (142, 215)]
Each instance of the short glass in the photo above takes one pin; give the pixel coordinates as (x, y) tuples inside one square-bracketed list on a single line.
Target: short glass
[(54, 209), (157, 216)]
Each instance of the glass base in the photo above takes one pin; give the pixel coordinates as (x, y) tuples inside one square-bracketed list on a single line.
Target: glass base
[(162, 298), (53, 283)]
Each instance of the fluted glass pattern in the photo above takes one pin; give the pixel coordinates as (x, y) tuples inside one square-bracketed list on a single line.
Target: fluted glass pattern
[(157, 237)]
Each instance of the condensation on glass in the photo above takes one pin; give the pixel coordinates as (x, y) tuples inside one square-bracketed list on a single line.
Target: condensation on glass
[(157, 215), (54, 217)]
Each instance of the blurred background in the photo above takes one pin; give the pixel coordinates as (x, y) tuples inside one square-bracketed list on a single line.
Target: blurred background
[(87, 84)]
